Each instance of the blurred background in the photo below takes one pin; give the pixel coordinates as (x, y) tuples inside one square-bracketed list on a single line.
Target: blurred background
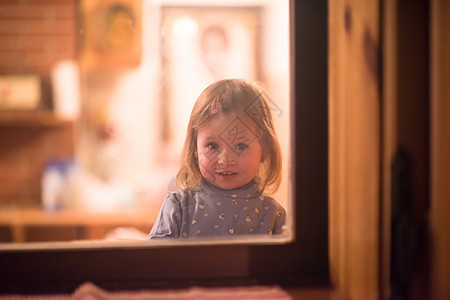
[(95, 97)]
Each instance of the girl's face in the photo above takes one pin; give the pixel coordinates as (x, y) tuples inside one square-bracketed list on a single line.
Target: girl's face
[(228, 151)]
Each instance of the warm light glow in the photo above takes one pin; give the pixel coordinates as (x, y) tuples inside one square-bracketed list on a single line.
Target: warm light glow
[(185, 28)]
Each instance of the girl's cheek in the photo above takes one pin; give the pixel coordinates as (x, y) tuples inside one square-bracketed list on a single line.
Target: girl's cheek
[(205, 162), (202, 161)]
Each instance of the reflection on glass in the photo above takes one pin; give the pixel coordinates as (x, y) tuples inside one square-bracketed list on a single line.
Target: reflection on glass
[(95, 157), (230, 157)]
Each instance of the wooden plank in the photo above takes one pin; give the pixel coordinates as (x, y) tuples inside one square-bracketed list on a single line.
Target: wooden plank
[(440, 149), (389, 138), (31, 118), (354, 147), (31, 217)]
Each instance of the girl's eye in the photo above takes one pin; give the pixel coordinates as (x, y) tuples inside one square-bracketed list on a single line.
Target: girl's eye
[(241, 146), (213, 146)]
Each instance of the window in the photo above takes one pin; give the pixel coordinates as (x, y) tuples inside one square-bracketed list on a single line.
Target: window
[(303, 261), (142, 64)]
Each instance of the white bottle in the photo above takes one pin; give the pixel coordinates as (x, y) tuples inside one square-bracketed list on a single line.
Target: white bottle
[(52, 186)]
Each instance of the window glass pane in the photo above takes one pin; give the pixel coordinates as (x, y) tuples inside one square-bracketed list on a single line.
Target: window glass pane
[(95, 100)]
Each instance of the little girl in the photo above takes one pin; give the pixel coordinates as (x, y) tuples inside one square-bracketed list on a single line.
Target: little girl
[(231, 155)]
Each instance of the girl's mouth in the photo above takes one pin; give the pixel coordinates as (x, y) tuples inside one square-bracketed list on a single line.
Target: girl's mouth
[(226, 173)]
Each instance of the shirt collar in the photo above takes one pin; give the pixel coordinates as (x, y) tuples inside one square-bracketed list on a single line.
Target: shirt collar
[(250, 190)]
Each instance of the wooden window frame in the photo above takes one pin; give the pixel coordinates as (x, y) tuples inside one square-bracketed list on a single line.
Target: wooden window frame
[(301, 262)]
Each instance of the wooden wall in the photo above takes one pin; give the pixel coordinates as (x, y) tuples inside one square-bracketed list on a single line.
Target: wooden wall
[(354, 124), (440, 150), (24, 151), (389, 104), (404, 258), (36, 34), (33, 36)]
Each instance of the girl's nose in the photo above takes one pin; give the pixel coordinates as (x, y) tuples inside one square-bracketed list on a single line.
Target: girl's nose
[(225, 160)]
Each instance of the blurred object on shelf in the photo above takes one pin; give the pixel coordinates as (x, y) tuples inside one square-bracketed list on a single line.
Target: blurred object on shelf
[(66, 89), (22, 92), (57, 184)]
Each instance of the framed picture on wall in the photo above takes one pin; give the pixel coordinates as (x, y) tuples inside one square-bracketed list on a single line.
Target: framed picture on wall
[(111, 34), (200, 46)]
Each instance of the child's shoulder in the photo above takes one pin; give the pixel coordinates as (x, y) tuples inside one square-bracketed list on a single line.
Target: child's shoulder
[(183, 197), (272, 202)]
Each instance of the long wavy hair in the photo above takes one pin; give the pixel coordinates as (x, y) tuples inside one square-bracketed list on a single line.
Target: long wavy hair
[(223, 97)]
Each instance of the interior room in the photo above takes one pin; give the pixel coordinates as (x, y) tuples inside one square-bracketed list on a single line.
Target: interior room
[(95, 98), (92, 146)]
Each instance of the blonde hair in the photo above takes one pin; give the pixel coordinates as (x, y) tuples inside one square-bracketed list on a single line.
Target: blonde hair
[(222, 97)]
